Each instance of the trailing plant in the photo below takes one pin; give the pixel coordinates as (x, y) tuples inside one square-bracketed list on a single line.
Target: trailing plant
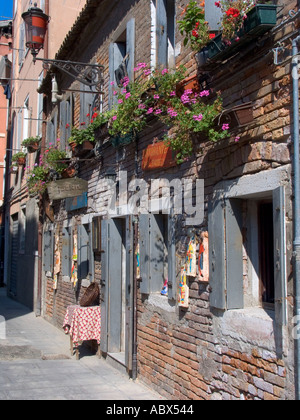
[(196, 30), (38, 178), (56, 159), (17, 156), (192, 112), (31, 140), (194, 26)]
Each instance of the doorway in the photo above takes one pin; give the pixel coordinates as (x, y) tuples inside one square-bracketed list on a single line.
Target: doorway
[(116, 296)]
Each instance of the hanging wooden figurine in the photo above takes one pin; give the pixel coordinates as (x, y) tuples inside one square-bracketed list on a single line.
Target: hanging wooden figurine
[(183, 297)]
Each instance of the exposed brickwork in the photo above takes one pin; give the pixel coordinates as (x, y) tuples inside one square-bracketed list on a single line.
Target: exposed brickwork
[(182, 353)]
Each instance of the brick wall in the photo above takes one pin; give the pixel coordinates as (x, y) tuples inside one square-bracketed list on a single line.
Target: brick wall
[(196, 353)]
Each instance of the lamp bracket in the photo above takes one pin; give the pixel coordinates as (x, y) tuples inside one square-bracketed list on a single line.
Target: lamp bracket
[(89, 74)]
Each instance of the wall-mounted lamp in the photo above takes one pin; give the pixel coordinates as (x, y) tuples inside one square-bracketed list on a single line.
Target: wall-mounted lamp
[(110, 174), (36, 22)]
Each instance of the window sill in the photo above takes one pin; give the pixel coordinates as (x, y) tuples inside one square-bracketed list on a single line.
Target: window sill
[(251, 325), (156, 299)]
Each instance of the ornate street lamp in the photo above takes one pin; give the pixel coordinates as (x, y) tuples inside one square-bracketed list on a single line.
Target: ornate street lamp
[(36, 22)]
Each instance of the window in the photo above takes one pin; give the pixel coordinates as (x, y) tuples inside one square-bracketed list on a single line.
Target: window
[(21, 45), (157, 254), (26, 117), (85, 252), (121, 57), (163, 33), (247, 251)]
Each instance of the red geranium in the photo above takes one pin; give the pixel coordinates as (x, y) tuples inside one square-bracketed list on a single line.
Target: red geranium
[(233, 12)]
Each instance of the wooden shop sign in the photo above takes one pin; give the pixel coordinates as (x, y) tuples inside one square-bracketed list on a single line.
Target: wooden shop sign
[(65, 188), (158, 156)]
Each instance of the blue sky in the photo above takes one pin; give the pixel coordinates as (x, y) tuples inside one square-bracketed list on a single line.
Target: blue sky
[(6, 9)]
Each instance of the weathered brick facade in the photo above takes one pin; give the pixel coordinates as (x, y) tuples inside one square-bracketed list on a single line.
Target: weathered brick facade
[(203, 352)]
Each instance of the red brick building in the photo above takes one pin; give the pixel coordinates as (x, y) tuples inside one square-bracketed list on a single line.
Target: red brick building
[(234, 338)]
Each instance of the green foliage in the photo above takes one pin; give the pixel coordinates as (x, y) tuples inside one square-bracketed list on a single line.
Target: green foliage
[(56, 159), (31, 140)]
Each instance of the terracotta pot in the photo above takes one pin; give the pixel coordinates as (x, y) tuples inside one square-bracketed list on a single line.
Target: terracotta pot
[(21, 161), (68, 173), (87, 145), (33, 147)]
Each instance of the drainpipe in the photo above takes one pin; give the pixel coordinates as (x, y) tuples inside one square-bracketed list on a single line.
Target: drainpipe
[(295, 76)]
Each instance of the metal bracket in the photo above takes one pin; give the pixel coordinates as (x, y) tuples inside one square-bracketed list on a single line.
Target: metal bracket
[(90, 75)]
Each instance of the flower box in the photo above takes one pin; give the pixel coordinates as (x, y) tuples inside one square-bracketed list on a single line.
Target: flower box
[(259, 20)]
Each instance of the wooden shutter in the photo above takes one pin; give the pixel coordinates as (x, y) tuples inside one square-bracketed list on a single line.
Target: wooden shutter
[(130, 47), (157, 253), (91, 264), (128, 293), (115, 285), (216, 231), (66, 251), (104, 284), (234, 254), (63, 123), (172, 280), (161, 33), (213, 15), (83, 252), (48, 250), (280, 255), (144, 230)]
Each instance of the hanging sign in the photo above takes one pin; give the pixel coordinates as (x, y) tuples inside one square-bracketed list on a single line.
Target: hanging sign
[(157, 156), (65, 188)]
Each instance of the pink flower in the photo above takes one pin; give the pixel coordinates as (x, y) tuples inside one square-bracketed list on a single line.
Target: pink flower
[(165, 71), (147, 72), (198, 117), (127, 95), (114, 118), (158, 111), (225, 127), (204, 93), (156, 96), (112, 83), (173, 93), (237, 139), (120, 101), (115, 92), (142, 106), (150, 110)]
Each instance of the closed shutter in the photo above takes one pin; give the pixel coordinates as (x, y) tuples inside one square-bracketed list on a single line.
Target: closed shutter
[(216, 231), (234, 254), (14, 256), (91, 272), (161, 33), (157, 253), (172, 280), (48, 250), (213, 15), (83, 252), (130, 48), (66, 251), (63, 123), (104, 284), (280, 256), (144, 230)]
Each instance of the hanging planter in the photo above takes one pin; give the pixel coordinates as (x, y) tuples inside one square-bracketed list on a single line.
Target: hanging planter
[(32, 144), (69, 172), (19, 159)]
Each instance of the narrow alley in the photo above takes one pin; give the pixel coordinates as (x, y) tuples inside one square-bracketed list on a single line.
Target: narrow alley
[(35, 363)]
